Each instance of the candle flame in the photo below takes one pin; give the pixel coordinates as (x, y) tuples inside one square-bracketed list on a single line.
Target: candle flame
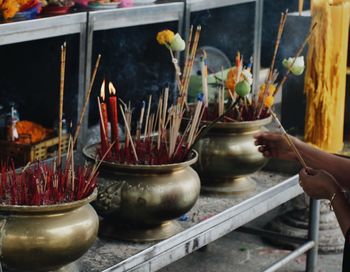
[(102, 91), (112, 90)]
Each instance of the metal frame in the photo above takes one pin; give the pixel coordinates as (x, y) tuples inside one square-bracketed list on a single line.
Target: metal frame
[(184, 243), (176, 247), (42, 28), (30, 30), (198, 5)]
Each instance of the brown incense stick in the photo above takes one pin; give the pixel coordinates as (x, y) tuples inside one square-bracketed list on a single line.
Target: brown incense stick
[(278, 41), (87, 99), (188, 45), (300, 6), (268, 80), (212, 123), (129, 133), (98, 163), (60, 114), (300, 50), (147, 115), (191, 61), (289, 141)]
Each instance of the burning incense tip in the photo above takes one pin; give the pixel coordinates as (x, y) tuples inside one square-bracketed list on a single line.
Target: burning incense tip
[(112, 90), (102, 91)]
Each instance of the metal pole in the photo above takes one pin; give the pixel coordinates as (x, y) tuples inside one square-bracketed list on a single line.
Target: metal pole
[(294, 254), (314, 219), (259, 7), (82, 71), (179, 55), (187, 20), (88, 50), (271, 234)]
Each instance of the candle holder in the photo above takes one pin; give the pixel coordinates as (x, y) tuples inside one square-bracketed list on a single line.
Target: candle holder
[(139, 202), (227, 154), (47, 237)]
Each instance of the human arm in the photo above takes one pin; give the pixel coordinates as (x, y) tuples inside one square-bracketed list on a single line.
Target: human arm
[(273, 144), (320, 184)]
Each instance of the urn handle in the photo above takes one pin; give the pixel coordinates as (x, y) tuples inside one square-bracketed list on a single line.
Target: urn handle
[(109, 198), (3, 222)]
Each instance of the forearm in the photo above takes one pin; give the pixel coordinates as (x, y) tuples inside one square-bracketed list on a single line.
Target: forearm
[(337, 166), (341, 208)]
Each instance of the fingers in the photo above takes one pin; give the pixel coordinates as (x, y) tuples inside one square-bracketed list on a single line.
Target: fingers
[(265, 151), (268, 136)]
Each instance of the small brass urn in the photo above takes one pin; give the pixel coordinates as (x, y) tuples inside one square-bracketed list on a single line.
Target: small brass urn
[(227, 154), (140, 202)]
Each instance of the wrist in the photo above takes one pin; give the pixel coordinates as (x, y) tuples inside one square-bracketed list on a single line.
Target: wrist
[(331, 201), (333, 194)]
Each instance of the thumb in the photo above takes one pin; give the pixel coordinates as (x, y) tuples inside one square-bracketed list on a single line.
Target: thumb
[(305, 172), (310, 171)]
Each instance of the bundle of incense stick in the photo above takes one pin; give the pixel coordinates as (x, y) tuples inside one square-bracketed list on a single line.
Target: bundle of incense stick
[(251, 107), (190, 54), (45, 184), (42, 183), (169, 146), (161, 142)]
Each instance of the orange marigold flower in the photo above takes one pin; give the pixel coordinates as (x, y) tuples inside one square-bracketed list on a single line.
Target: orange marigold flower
[(230, 79), (272, 89), (9, 8), (230, 84), (165, 37), (269, 100), (232, 73)]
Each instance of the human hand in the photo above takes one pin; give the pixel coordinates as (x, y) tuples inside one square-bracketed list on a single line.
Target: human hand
[(273, 144), (318, 184)]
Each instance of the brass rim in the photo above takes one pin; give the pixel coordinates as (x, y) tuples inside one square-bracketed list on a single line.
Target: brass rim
[(243, 124), (48, 208), (89, 150)]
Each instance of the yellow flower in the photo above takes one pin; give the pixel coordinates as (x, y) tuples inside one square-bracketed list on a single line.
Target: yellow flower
[(272, 89), (269, 100), (165, 37), (9, 8)]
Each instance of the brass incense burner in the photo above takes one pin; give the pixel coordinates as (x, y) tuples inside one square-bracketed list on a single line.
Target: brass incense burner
[(46, 238), (139, 202), (227, 154)]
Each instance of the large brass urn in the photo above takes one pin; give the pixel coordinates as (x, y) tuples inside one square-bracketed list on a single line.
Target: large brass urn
[(139, 202), (227, 154), (46, 238)]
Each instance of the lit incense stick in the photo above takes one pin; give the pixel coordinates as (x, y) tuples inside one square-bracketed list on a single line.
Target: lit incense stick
[(289, 141)]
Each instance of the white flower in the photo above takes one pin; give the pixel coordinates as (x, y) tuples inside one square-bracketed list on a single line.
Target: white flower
[(298, 66), (177, 44), (247, 76)]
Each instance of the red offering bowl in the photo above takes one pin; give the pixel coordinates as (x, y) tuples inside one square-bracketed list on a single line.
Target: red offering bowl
[(55, 10)]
